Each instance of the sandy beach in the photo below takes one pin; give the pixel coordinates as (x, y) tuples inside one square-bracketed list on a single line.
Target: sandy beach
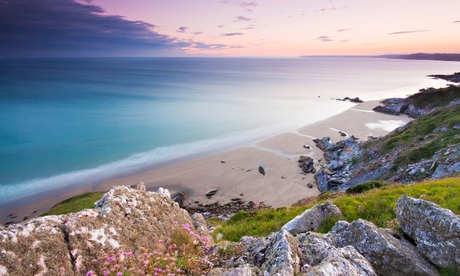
[(235, 173)]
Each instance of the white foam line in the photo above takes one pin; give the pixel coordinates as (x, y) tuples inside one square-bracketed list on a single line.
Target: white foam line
[(363, 110), (278, 152)]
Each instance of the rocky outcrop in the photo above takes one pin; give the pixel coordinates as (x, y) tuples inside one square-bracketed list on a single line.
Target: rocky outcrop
[(276, 254), (391, 106), (455, 77), (387, 254), (311, 219), (339, 157), (436, 231), (320, 257), (304, 254), (65, 245)]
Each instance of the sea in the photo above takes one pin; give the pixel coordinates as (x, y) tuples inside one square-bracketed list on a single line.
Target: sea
[(71, 122)]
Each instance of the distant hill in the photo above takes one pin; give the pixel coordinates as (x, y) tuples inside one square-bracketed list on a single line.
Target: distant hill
[(425, 56)]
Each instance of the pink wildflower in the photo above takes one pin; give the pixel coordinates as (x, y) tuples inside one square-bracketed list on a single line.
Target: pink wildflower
[(90, 273)]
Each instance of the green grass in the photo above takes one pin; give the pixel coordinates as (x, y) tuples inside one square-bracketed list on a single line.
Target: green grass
[(420, 139), (75, 204), (375, 205)]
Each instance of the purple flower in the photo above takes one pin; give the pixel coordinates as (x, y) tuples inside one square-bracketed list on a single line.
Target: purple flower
[(127, 254), (90, 273), (119, 273)]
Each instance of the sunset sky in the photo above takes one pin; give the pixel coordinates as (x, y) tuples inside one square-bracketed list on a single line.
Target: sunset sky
[(227, 27)]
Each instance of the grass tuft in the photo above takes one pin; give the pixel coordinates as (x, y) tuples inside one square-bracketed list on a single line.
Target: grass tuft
[(75, 204)]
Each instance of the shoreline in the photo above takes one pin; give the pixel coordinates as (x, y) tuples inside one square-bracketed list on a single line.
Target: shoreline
[(234, 173)]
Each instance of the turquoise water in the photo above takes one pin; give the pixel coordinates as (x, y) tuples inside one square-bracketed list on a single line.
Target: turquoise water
[(73, 122)]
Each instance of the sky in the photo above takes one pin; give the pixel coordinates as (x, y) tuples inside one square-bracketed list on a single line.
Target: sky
[(35, 28)]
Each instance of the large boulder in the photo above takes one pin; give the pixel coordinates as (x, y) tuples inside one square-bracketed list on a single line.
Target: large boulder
[(65, 245), (276, 254), (311, 219), (436, 231), (320, 257), (305, 254), (387, 254)]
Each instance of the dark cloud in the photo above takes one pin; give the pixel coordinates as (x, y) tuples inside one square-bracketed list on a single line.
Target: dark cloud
[(408, 32), (182, 30), (198, 33), (69, 28), (342, 30), (324, 38), (231, 34), (242, 18)]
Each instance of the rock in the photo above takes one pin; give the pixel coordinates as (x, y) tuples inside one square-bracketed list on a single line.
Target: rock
[(306, 164), (387, 254), (335, 165), (309, 185), (391, 106), (307, 146), (322, 143), (320, 257), (245, 270), (261, 170), (276, 254), (139, 186), (210, 193), (436, 231), (65, 245), (200, 225), (311, 219), (335, 181), (179, 197), (322, 181)]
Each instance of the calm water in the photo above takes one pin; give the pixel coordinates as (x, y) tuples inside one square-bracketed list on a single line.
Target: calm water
[(79, 121)]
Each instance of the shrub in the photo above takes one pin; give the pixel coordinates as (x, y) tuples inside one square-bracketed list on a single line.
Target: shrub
[(365, 187)]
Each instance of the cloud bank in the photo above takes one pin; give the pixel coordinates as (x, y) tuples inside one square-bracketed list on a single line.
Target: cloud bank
[(69, 28)]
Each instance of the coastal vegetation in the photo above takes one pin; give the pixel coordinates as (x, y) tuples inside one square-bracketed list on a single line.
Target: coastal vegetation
[(75, 204), (375, 205)]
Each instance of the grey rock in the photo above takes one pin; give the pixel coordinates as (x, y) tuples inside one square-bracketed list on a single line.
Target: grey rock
[(387, 254), (320, 257), (311, 219), (276, 254), (323, 143), (322, 180), (435, 230)]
